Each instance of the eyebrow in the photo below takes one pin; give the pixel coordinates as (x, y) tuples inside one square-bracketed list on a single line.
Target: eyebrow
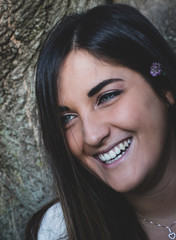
[(63, 109), (101, 85)]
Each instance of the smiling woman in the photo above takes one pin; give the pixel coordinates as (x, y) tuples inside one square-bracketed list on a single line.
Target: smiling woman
[(106, 94), (115, 108)]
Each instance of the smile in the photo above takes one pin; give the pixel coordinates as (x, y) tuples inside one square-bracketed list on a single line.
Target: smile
[(115, 153)]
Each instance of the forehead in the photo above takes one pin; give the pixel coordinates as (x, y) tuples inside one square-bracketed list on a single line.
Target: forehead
[(78, 60), (82, 71), (81, 67)]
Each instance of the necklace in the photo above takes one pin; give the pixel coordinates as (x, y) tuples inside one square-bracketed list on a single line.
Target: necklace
[(171, 235)]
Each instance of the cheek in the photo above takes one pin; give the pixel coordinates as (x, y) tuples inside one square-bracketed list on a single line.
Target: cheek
[(140, 110), (75, 141), (127, 116)]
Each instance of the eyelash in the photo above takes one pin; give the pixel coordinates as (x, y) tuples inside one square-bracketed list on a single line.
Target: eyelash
[(105, 97), (65, 121)]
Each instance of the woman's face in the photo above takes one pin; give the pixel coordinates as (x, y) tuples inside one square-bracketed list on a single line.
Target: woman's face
[(113, 120)]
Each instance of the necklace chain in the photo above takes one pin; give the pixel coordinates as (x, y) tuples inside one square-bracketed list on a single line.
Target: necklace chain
[(171, 235)]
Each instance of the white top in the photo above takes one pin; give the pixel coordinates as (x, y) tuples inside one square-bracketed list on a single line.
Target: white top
[(53, 225)]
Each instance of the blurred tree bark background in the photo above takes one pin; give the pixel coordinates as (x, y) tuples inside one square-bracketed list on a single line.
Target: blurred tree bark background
[(26, 183)]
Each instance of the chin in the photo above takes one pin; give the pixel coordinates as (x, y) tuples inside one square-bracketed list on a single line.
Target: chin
[(135, 185)]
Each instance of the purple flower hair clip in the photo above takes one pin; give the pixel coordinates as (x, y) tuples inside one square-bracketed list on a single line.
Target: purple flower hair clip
[(156, 69)]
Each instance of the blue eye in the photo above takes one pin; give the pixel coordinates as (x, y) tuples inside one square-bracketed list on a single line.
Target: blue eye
[(105, 97), (66, 119)]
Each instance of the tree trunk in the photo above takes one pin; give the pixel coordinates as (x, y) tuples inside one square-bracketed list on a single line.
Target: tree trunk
[(162, 13), (24, 176)]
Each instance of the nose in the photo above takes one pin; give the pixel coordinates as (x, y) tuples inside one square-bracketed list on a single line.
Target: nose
[(95, 130)]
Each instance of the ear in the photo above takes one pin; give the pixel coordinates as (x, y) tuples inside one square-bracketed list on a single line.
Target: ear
[(170, 97)]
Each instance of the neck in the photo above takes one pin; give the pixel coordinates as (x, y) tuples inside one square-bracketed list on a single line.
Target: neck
[(158, 203)]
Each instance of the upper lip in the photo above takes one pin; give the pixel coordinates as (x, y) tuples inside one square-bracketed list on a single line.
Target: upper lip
[(111, 147)]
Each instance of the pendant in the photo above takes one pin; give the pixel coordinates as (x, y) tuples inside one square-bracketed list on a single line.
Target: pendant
[(172, 235)]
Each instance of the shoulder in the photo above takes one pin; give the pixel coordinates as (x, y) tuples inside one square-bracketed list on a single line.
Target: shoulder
[(52, 226)]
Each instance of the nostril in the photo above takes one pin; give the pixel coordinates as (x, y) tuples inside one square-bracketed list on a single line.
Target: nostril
[(103, 139), (94, 129), (95, 139)]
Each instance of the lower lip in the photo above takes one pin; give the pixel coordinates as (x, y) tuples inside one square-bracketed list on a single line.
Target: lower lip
[(118, 161)]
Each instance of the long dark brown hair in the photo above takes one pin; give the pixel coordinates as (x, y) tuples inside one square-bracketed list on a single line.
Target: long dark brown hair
[(113, 33)]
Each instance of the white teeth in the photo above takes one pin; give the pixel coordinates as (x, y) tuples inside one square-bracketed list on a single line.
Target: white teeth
[(122, 147), (126, 144), (116, 153), (102, 157), (117, 150), (107, 157), (112, 154)]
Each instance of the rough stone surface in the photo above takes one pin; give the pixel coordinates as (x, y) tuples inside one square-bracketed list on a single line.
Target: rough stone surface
[(25, 182)]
